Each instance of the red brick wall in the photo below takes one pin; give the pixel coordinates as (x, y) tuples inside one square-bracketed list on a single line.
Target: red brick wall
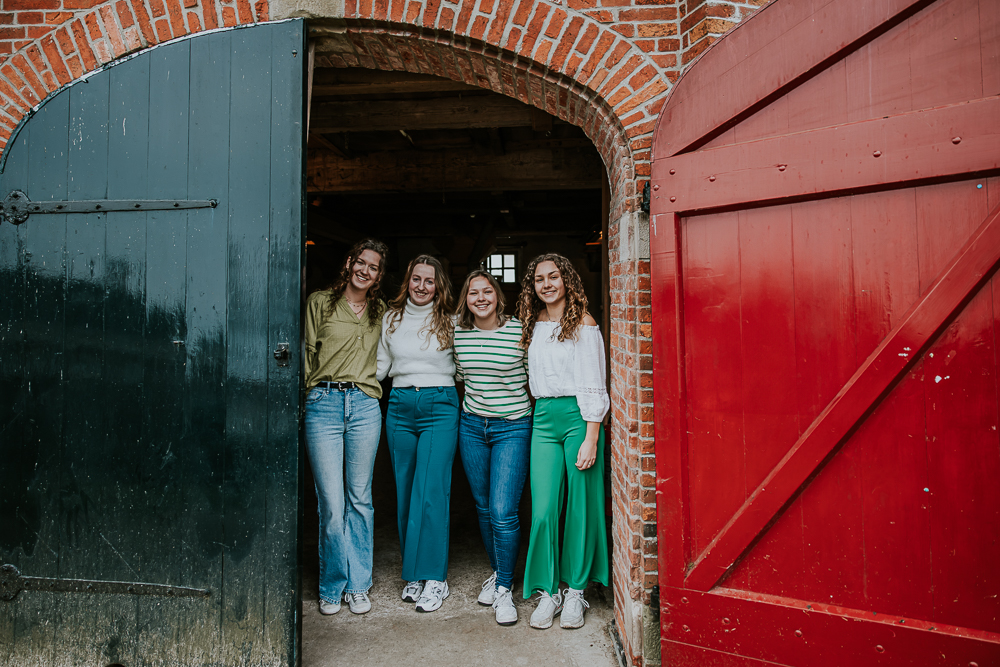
[(605, 65)]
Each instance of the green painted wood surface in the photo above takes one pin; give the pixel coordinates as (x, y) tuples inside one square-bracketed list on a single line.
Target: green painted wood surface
[(147, 432)]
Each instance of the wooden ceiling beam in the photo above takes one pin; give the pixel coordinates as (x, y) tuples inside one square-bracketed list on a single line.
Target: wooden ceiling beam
[(333, 81), (443, 113), (452, 170)]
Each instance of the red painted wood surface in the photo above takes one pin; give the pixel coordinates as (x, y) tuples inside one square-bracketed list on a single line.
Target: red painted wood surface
[(803, 465)]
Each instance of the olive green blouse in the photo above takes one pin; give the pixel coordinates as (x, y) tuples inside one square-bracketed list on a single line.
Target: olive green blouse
[(340, 347)]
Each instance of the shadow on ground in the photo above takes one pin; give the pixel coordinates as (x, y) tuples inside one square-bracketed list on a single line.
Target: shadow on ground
[(462, 632)]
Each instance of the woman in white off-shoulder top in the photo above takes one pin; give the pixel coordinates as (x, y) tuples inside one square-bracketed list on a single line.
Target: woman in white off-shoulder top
[(566, 375)]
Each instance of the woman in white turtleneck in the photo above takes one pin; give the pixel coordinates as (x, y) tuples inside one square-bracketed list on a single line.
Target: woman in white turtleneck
[(416, 351)]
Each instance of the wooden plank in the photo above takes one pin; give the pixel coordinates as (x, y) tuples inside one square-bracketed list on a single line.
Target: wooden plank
[(713, 340), (87, 484), (670, 423), (464, 112), (283, 500), (45, 340), (125, 315), (727, 80), (989, 41), (162, 509), (247, 350), (970, 267), (768, 298), (874, 153), (452, 170), (18, 502), (205, 347), (944, 40), (360, 81), (896, 524), (814, 634)]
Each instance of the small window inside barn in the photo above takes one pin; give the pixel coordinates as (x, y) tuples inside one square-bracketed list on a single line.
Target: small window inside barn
[(503, 266)]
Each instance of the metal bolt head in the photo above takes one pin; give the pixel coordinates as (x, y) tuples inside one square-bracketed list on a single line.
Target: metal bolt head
[(10, 582)]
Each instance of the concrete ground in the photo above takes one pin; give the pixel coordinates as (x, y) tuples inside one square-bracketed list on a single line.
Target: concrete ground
[(461, 632)]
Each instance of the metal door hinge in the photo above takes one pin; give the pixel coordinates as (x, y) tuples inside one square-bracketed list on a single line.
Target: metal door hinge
[(12, 582), (16, 207)]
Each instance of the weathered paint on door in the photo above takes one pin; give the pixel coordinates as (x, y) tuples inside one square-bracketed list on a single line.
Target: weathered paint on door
[(147, 433), (826, 232)]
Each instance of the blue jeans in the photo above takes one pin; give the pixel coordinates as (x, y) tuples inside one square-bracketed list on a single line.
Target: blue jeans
[(421, 426), (495, 456), (342, 434)]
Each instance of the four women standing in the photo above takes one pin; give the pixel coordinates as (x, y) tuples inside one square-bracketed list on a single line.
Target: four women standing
[(418, 344)]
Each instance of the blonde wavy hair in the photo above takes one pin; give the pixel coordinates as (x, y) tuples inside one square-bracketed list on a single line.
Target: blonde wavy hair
[(465, 317), (442, 324), (529, 305)]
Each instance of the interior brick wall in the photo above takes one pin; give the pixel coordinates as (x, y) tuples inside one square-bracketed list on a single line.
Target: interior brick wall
[(605, 65)]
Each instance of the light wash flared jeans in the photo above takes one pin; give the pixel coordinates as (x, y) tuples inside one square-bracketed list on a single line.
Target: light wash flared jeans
[(342, 434)]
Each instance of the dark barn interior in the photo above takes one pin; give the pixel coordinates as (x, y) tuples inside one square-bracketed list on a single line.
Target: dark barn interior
[(430, 165)]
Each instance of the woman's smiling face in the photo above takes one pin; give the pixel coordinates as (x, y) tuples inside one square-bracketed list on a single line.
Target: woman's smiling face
[(481, 299), (549, 284), (422, 286)]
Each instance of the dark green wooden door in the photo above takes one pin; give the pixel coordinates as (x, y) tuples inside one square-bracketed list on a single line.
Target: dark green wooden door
[(148, 435)]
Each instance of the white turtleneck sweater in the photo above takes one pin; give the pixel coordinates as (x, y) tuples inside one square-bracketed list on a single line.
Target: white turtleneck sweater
[(410, 354)]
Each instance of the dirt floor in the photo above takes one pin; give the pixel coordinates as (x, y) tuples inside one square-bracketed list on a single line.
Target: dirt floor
[(461, 632)]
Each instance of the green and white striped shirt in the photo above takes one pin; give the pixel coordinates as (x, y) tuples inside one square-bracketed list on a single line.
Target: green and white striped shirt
[(494, 369)]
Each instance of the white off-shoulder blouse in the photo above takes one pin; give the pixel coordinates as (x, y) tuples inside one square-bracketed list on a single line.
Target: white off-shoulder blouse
[(569, 368)]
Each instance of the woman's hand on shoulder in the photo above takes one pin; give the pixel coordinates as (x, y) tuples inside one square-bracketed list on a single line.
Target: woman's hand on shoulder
[(589, 321)]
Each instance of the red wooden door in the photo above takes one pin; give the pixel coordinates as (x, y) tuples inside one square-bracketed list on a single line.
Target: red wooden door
[(825, 231)]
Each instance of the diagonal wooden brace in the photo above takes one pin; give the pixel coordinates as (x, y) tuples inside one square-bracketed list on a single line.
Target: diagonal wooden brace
[(971, 267)]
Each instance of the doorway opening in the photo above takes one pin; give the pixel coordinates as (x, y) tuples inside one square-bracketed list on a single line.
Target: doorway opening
[(476, 179)]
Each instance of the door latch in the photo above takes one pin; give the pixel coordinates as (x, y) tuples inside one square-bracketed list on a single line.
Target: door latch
[(281, 354)]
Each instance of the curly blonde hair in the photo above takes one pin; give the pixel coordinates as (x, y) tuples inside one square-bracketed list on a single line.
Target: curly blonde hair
[(442, 324), (465, 317), (374, 295), (529, 305)]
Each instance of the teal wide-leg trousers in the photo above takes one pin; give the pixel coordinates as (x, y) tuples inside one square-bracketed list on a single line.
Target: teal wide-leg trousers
[(422, 430)]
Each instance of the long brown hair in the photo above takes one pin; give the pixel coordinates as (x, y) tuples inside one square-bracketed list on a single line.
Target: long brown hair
[(466, 319), (442, 325), (529, 305), (373, 297)]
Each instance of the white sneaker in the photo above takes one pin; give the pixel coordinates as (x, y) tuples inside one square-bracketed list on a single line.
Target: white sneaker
[(327, 608), (358, 602), (548, 607), (433, 595), (572, 615), (489, 592), (412, 591), (503, 605)]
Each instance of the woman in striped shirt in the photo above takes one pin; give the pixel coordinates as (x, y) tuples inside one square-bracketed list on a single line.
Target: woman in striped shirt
[(495, 428)]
